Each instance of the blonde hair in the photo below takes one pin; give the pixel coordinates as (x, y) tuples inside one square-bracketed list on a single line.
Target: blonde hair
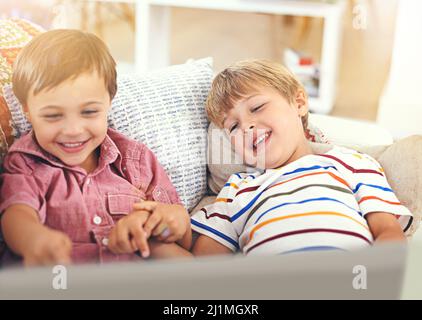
[(243, 77), (58, 55)]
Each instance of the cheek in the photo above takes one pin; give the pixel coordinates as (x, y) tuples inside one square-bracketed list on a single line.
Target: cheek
[(98, 125), (287, 126), (44, 130), (237, 143), (45, 137)]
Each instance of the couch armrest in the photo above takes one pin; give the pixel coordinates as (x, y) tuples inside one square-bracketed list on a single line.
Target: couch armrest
[(350, 132)]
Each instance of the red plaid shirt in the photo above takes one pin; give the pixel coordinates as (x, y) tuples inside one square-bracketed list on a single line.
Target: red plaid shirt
[(84, 206)]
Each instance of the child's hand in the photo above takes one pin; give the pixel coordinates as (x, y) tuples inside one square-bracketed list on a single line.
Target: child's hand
[(168, 222), (49, 247), (128, 235)]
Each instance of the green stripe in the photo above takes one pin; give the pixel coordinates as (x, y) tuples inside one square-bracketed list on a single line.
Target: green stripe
[(293, 191)]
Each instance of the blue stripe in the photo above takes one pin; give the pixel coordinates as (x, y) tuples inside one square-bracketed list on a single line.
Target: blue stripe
[(251, 203), (314, 248), (216, 232), (246, 208), (307, 169), (238, 175), (304, 201), (372, 186)]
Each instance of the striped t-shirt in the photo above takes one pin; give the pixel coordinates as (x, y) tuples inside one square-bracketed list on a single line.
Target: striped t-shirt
[(317, 202)]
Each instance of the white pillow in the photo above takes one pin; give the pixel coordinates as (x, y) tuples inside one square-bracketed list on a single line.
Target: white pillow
[(351, 132), (165, 109)]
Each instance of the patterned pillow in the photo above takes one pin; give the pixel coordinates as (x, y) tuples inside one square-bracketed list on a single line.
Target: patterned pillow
[(165, 110), (15, 33)]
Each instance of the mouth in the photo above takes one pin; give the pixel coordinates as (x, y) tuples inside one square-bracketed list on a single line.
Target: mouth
[(72, 147), (261, 140)]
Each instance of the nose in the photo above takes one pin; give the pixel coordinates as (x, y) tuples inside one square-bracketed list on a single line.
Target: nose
[(249, 127), (72, 128)]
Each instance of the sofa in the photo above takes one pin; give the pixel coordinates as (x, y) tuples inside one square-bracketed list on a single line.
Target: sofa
[(165, 110)]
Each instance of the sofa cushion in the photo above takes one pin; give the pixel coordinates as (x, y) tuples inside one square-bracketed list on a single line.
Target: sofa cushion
[(15, 33), (359, 133), (402, 164)]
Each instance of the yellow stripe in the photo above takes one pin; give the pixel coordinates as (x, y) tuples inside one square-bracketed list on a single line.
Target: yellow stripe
[(221, 199), (329, 213)]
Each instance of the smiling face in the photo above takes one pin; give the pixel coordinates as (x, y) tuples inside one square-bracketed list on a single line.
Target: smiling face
[(266, 130), (70, 120)]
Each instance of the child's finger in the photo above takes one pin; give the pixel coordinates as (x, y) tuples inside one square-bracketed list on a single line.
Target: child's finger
[(61, 257), (67, 246), (64, 255), (159, 229), (145, 205), (168, 237), (144, 217), (123, 244), (173, 228), (112, 241), (152, 222), (37, 260), (58, 250), (141, 242), (134, 245)]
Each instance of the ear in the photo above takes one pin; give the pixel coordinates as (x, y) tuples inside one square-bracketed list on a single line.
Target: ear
[(301, 103)]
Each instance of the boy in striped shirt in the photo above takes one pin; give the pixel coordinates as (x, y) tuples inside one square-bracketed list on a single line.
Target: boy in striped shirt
[(296, 200)]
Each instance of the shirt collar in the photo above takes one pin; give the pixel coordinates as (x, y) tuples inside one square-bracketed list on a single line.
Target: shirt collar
[(109, 153), (28, 144)]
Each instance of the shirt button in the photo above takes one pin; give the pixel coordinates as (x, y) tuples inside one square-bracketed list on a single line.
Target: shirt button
[(97, 220), (124, 169), (88, 181), (105, 241)]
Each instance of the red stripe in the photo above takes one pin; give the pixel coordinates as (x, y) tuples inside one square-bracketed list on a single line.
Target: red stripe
[(351, 168), (247, 190), (304, 175), (291, 233), (376, 198), (215, 214)]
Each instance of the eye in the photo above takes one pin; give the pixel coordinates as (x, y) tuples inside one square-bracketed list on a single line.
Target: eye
[(89, 112), (232, 128), (52, 116), (257, 108)]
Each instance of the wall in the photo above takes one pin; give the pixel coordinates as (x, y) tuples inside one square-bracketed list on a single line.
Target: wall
[(400, 108)]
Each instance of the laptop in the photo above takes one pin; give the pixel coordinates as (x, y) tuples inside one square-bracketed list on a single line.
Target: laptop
[(373, 273)]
